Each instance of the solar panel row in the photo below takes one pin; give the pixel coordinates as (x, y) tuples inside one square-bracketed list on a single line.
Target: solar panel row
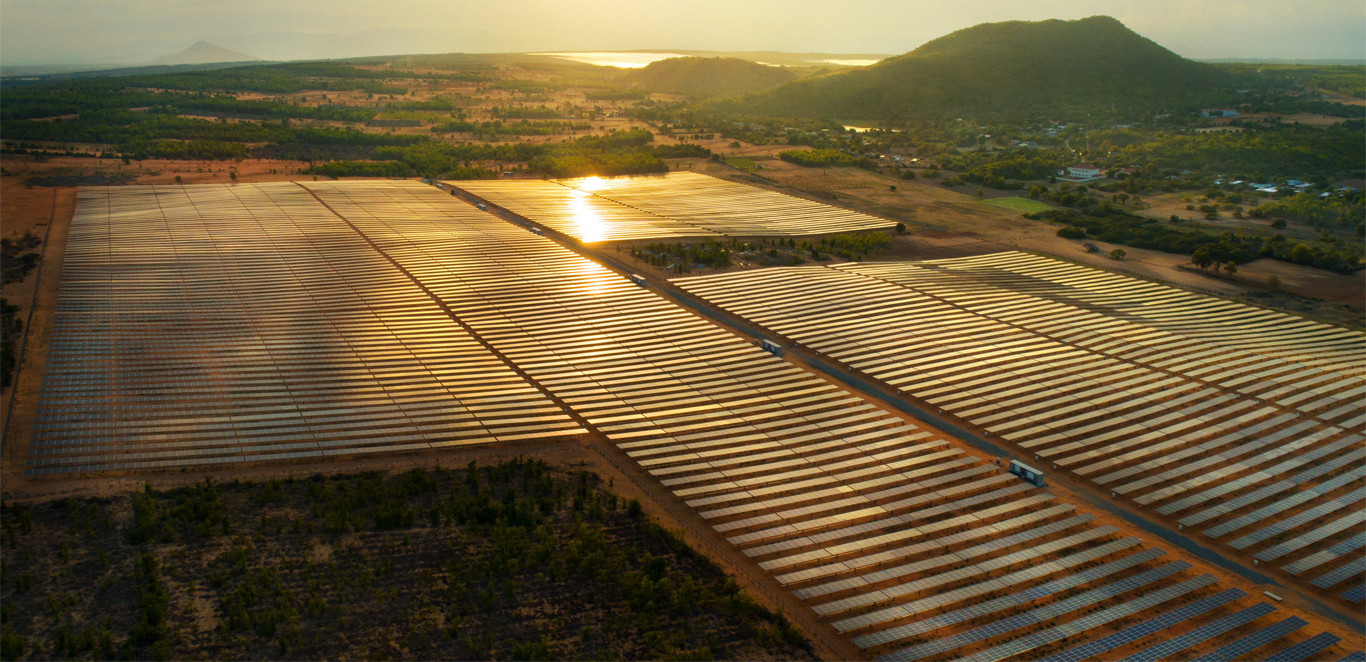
[(1147, 628), (668, 206), (224, 324), (1238, 416)]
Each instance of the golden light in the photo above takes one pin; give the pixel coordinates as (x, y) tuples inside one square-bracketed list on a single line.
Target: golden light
[(588, 224), (593, 183)]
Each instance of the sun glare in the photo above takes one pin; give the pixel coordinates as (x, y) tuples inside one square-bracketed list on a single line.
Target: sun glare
[(589, 226)]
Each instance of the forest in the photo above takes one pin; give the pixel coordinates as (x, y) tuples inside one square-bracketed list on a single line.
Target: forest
[(1117, 227), (518, 560)]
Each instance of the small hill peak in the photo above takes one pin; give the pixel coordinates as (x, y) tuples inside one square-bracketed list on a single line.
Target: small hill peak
[(706, 76), (202, 52)]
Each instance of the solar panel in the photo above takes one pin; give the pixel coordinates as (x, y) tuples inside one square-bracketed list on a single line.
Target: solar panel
[(1040, 615), (1178, 401), (1355, 568), (1358, 656), (1351, 520), (1149, 627), (215, 324), (1093, 620), (1306, 648), (1005, 602), (1355, 543), (1201, 634), (1254, 641), (1355, 595)]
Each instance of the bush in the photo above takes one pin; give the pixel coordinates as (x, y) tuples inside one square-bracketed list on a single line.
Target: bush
[(1071, 233), (909, 174)]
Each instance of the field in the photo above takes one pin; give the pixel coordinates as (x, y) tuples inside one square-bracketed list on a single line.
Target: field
[(876, 534), (516, 560), (1018, 204)]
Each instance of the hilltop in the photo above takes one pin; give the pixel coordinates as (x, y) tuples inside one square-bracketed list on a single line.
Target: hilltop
[(202, 52), (707, 76), (1004, 68)]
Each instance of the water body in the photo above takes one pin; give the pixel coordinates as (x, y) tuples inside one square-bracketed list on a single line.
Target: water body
[(614, 59), (848, 63)]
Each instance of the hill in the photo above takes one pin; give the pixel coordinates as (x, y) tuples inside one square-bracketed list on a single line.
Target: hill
[(202, 52), (706, 76), (1005, 68)]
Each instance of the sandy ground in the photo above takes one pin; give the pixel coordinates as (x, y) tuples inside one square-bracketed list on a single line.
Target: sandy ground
[(33, 209)]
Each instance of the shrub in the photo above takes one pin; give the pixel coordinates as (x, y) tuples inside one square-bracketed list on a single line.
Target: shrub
[(1071, 233)]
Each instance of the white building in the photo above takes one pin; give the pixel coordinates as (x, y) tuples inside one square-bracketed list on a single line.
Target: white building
[(1083, 171)]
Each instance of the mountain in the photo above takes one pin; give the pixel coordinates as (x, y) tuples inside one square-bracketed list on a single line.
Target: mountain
[(1005, 68), (202, 52), (706, 76)]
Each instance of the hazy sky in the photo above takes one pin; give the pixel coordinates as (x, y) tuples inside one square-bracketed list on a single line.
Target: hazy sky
[(57, 31)]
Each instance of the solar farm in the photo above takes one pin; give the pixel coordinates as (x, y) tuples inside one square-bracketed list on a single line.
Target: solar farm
[(1241, 425), (674, 205), (203, 326)]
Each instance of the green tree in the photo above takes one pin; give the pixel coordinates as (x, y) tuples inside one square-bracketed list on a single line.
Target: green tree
[(1117, 254), (1202, 258), (1301, 254), (1231, 267)]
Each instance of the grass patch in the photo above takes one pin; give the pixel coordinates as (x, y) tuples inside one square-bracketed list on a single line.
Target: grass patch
[(743, 164), (1018, 203)]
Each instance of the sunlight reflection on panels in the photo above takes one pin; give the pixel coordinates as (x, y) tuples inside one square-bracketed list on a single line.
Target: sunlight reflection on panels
[(672, 205), (1221, 415), (577, 213), (205, 325), (727, 207)]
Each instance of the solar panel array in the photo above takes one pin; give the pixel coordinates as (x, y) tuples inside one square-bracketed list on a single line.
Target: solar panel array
[(1245, 422), (578, 213), (1306, 648), (211, 325), (1252, 642), (357, 299), (668, 206), (1147, 628), (876, 523)]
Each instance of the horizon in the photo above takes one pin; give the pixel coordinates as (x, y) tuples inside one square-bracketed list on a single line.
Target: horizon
[(67, 33)]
